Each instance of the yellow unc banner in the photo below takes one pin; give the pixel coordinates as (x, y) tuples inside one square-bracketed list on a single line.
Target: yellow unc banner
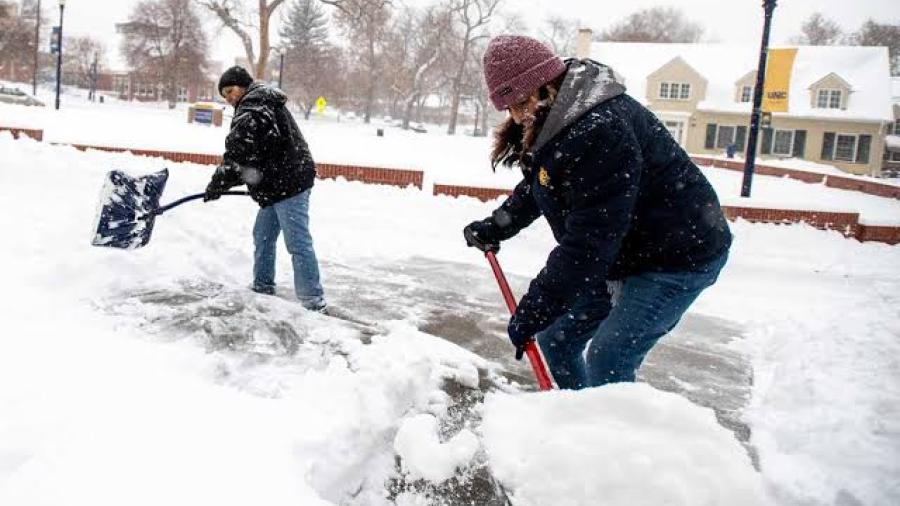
[(778, 79)]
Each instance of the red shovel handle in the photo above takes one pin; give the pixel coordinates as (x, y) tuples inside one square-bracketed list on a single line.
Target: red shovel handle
[(534, 355)]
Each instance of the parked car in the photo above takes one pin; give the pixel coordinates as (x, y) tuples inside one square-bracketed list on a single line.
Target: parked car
[(17, 96)]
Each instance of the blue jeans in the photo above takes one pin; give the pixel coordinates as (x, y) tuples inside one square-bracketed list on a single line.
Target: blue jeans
[(291, 216), (621, 331)]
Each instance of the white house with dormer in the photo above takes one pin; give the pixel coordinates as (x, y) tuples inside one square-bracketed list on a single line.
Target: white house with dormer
[(839, 102)]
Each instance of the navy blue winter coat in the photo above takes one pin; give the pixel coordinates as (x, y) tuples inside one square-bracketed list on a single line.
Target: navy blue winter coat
[(621, 196), (265, 149)]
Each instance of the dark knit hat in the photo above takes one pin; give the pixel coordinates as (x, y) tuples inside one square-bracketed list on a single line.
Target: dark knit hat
[(235, 76), (515, 66)]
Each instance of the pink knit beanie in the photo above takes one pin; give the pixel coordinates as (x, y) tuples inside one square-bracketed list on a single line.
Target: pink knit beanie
[(515, 66)]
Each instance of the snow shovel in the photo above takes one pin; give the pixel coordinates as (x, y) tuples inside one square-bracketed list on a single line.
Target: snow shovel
[(531, 349), (129, 207)]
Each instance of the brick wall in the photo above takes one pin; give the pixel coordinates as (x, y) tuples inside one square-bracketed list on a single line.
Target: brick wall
[(845, 223), (393, 177), (889, 235), (37, 135), (482, 194), (372, 175), (839, 182), (869, 187)]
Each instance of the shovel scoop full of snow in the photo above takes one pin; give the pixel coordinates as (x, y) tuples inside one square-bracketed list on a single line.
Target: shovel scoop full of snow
[(128, 208)]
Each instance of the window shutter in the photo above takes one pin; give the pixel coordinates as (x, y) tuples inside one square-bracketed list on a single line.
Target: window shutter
[(766, 147), (710, 142), (828, 146), (740, 138), (862, 149), (799, 143)]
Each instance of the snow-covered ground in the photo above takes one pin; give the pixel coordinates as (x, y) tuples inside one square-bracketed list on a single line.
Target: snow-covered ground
[(154, 376)]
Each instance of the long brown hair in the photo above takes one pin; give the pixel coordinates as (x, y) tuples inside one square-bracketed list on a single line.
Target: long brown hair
[(513, 142)]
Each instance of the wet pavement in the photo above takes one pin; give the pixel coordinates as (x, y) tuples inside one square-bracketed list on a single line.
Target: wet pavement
[(462, 304)]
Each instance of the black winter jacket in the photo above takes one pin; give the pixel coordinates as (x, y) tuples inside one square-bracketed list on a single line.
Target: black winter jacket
[(265, 149), (621, 196)]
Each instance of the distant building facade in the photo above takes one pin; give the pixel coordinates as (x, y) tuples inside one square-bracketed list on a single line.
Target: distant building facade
[(839, 99), (135, 86)]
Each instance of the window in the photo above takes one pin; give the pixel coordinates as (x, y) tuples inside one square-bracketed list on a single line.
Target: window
[(829, 99), (897, 127), (725, 136), (783, 142), (675, 91), (845, 148), (746, 93)]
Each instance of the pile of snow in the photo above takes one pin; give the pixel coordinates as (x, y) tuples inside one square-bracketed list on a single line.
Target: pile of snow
[(624, 444)]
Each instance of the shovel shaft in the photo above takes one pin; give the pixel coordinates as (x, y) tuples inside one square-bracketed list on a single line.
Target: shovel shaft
[(189, 198), (531, 349)]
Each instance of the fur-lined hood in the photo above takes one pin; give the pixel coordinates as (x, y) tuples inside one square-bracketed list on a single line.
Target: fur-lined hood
[(587, 83)]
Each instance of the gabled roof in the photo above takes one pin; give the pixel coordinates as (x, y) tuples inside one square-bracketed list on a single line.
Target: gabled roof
[(674, 63), (832, 75), (865, 69), (749, 76)]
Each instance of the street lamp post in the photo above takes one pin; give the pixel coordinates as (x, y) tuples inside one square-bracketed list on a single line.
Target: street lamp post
[(280, 68), (62, 6), (37, 45), (769, 6)]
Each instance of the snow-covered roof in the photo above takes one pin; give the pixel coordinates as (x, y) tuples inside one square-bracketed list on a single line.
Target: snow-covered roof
[(865, 69)]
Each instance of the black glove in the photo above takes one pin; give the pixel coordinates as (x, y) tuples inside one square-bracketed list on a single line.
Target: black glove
[(534, 313), (216, 186), (483, 235), (213, 192)]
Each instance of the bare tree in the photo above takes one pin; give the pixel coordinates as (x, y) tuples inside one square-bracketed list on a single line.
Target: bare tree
[(471, 20), (312, 63), (877, 34), (164, 40), (17, 43), (561, 34), (818, 30), (79, 57), (235, 15), (511, 22), (364, 22), (415, 45), (656, 24)]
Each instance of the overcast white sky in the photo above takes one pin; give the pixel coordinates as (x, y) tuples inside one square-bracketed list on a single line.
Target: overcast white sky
[(733, 21)]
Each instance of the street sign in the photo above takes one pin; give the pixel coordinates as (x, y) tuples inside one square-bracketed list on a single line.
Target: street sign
[(203, 116), (54, 40)]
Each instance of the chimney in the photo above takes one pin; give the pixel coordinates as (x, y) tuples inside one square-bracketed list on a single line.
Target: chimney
[(583, 46)]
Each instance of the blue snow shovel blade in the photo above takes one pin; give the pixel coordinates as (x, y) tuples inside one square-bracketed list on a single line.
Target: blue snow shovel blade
[(128, 209)]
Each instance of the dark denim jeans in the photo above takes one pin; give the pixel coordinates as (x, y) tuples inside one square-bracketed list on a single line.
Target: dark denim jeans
[(291, 216), (623, 329)]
